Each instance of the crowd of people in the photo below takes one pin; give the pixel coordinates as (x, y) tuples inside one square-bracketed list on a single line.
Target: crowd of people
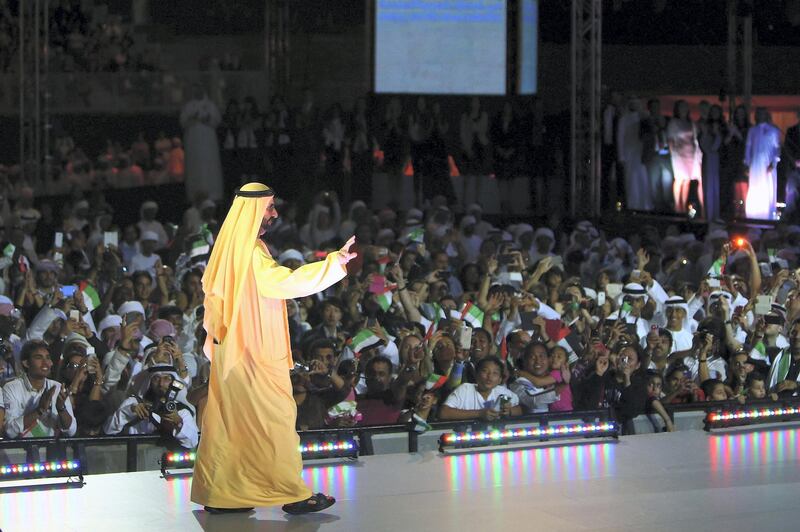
[(82, 38), (442, 316), (343, 150), (707, 166)]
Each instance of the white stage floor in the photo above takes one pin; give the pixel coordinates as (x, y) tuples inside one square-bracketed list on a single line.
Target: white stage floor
[(730, 482)]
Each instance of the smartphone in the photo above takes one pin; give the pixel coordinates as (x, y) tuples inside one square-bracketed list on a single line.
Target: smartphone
[(766, 269), (763, 305), (505, 259), (131, 317), (713, 283), (75, 315), (91, 353), (527, 320), (59, 240), (601, 299), (443, 275), (465, 337), (372, 322), (69, 290), (636, 273), (110, 238), (557, 262)]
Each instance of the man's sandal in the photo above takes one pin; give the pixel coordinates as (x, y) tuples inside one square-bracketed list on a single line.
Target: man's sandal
[(214, 510), (315, 503)]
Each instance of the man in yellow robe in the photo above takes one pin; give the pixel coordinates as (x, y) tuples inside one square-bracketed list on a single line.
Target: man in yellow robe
[(248, 454)]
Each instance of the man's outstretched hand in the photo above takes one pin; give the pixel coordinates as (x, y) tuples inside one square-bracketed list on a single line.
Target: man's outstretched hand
[(344, 254)]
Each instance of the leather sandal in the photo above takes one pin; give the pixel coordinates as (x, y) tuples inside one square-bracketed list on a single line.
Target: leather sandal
[(315, 503)]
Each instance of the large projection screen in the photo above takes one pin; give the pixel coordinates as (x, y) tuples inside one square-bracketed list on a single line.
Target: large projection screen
[(440, 46)]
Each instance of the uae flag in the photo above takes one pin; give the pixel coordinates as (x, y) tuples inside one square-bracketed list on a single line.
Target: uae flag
[(417, 235), (384, 300), (364, 339), (90, 295), (435, 381), (717, 269), (472, 315)]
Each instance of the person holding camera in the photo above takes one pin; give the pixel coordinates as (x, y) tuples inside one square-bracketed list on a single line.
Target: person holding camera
[(159, 405), (80, 373), (487, 399)]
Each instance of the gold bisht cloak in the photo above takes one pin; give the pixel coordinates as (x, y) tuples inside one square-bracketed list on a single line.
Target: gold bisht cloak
[(248, 453)]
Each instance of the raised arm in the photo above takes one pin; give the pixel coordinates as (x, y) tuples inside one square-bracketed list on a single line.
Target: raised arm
[(279, 282)]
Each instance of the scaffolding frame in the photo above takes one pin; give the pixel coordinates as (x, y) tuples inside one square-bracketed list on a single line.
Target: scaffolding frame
[(585, 124)]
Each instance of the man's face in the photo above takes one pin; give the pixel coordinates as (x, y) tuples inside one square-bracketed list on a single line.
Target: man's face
[(740, 366), (410, 344), (441, 262), (488, 377), (159, 384), (143, 287), (538, 362), (73, 363), (270, 215), (480, 346), (148, 247), (331, 316), (39, 364), (148, 214), (177, 321), (378, 377), (675, 317), (326, 355), (46, 279), (519, 341)]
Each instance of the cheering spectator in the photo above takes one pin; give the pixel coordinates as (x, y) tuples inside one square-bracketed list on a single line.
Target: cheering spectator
[(34, 405)]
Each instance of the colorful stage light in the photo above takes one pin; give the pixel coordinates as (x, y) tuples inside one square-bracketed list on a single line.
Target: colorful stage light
[(58, 469), (723, 418), (344, 448), (492, 437), (177, 460)]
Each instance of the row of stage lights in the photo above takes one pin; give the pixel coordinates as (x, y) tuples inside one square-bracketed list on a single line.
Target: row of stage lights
[(347, 445), (721, 418)]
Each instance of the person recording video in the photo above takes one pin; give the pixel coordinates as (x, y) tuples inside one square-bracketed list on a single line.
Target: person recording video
[(158, 406)]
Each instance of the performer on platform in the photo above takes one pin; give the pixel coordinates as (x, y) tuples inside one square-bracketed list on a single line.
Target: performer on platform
[(761, 156), (248, 454)]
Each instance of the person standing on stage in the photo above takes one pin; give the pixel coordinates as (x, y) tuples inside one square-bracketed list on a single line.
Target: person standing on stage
[(761, 156), (248, 454)]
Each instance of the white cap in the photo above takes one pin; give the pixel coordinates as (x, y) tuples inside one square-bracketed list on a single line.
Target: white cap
[(290, 254), (149, 235), (112, 320), (130, 306)]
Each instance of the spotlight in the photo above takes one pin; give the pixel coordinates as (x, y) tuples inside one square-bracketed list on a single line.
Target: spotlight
[(726, 418), (492, 437), (340, 448), (178, 460), (61, 469)]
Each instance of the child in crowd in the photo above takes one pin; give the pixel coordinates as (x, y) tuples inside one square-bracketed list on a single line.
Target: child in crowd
[(714, 390), (559, 370), (655, 384)]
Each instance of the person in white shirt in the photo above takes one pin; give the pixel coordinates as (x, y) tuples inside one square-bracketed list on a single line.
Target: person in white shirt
[(678, 323), (34, 405), (146, 259), (148, 222), (148, 412), (487, 399), (536, 362)]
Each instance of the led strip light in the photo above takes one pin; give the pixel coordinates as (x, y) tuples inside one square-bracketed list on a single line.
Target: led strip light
[(64, 468), (498, 436)]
